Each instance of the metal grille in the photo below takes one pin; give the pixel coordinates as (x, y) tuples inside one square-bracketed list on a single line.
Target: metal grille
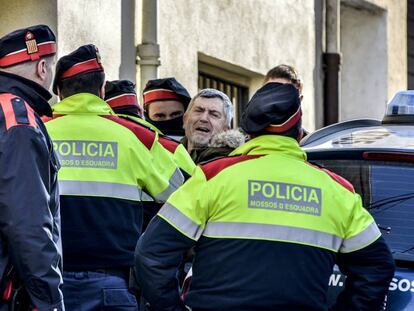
[(238, 94)]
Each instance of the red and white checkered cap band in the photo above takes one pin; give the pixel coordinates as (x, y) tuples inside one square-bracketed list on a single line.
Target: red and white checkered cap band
[(44, 48), (82, 67), (159, 94), (123, 100), (289, 123)]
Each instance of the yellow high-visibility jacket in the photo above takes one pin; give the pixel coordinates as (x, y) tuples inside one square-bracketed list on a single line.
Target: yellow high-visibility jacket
[(267, 227), (108, 167)]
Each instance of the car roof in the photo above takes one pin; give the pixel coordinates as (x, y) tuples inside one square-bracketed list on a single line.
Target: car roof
[(362, 134)]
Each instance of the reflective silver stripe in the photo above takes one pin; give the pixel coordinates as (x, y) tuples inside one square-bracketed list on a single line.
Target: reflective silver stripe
[(181, 221), (273, 232), (101, 189), (176, 180), (364, 238), (146, 197)]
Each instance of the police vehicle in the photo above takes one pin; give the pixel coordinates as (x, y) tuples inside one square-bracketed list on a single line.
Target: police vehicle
[(377, 157)]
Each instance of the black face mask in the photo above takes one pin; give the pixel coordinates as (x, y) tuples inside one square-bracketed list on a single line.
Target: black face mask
[(169, 127)]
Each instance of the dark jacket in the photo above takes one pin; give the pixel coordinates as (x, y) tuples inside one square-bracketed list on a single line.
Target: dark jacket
[(268, 228), (111, 168), (220, 145), (29, 198)]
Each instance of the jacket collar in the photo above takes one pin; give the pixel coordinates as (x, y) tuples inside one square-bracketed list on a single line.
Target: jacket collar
[(33, 93), (82, 103), (271, 144), (184, 141)]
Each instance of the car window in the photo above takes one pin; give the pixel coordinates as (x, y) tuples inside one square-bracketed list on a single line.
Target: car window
[(388, 193)]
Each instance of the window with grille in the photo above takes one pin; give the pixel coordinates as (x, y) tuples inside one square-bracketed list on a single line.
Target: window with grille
[(238, 94)]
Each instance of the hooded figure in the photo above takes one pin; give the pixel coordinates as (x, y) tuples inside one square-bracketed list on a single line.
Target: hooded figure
[(165, 101)]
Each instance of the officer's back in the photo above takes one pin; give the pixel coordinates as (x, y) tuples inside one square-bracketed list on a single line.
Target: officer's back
[(107, 165), (30, 248), (268, 227)]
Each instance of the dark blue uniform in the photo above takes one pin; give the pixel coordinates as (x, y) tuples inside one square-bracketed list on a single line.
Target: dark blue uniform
[(29, 201), (267, 227)]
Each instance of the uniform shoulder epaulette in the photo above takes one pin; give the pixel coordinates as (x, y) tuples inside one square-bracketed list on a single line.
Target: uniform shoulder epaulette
[(145, 135), (46, 119), (213, 167), (339, 179), (15, 111), (126, 117), (169, 138), (203, 163), (165, 141), (168, 143)]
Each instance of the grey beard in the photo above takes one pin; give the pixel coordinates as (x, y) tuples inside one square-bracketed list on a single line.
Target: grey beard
[(198, 144)]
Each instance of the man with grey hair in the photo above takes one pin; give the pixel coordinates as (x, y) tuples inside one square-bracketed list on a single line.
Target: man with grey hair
[(209, 113)]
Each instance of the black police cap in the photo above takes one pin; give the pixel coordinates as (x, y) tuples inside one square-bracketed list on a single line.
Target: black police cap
[(274, 108), (27, 44), (83, 60), (120, 93), (119, 87), (165, 89)]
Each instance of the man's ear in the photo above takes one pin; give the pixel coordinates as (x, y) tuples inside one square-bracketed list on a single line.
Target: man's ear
[(226, 125), (185, 117), (41, 70), (102, 91)]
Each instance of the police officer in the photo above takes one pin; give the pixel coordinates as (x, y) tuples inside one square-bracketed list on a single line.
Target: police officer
[(29, 215), (268, 227), (165, 101), (108, 166), (121, 96), (285, 74)]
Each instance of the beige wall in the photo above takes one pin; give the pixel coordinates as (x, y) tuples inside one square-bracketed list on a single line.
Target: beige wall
[(247, 37), (18, 14), (93, 21), (251, 34), (374, 55), (75, 23), (397, 46), (364, 63)]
